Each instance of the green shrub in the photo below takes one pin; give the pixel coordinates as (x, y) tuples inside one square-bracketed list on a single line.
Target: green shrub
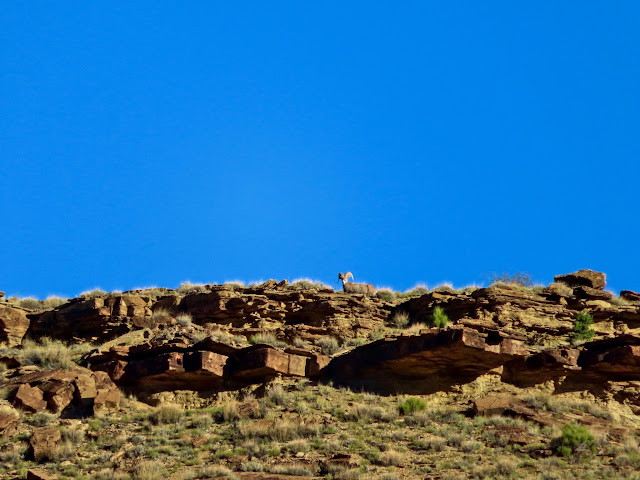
[(581, 330), (411, 404), (41, 419), (575, 441), (439, 319)]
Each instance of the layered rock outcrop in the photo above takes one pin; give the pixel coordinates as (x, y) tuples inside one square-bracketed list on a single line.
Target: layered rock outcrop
[(520, 335), (205, 365), (539, 317), (299, 313)]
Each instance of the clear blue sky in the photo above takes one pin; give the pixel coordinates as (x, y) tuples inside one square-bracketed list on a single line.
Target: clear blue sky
[(149, 143)]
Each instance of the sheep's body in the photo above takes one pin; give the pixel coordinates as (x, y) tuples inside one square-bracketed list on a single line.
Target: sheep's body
[(363, 288)]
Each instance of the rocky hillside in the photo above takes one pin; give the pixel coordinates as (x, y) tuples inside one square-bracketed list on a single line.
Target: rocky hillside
[(202, 346)]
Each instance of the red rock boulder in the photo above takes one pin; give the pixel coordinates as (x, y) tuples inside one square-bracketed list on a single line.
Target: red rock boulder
[(586, 278), (13, 325)]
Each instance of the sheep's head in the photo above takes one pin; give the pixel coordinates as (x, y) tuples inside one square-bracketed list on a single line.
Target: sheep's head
[(345, 276)]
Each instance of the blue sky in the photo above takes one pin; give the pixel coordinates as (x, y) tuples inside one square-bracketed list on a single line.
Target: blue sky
[(149, 143)]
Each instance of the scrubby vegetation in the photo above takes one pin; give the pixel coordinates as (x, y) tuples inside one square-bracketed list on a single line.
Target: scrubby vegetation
[(267, 338), (576, 441), (50, 354), (400, 319), (298, 427), (581, 327), (439, 319), (328, 345), (520, 279)]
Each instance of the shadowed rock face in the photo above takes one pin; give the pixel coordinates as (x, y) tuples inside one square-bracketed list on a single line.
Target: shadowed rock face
[(425, 363)]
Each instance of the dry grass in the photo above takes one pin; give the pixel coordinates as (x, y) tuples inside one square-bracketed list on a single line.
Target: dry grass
[(61, 451), (392, 458), (53, 301), (184, 319), (367, 413), (308, 284), (30, 303), (280, 430), (48, 354), (386, 294), (215, 471), (400, 319), (303, 431), (229, 412), (149, 470), (415, 328), (167, 414), (186, 288), (295, 469), (563, 289), (267, 338), (96, 292), (328, 345), (234, 285), (416, 291), (277, 395), (161, 315)]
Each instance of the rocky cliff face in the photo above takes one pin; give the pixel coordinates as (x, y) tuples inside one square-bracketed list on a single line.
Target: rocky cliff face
[(149, 342)]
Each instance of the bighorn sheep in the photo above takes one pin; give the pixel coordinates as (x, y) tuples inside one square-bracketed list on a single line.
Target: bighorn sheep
[(365, 288)]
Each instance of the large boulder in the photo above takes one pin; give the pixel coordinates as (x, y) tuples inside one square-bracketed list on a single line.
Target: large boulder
[(45, 442), (13, 325), (585, 277), (59, 390), (30, 399)]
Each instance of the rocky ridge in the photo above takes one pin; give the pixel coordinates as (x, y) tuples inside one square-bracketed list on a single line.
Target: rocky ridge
[(503, 344), (519, 334)]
